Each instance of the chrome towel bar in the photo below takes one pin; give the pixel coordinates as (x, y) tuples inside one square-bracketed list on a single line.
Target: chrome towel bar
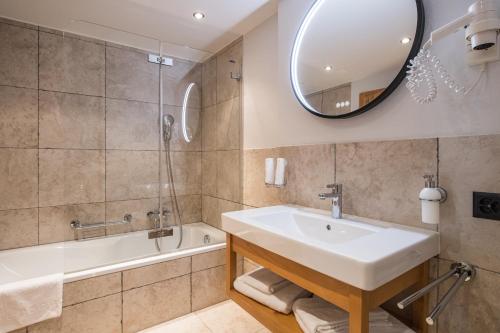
[(77, 225), (464, 273)]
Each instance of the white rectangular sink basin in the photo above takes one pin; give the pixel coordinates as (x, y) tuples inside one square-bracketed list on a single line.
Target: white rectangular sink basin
[(362, 252)]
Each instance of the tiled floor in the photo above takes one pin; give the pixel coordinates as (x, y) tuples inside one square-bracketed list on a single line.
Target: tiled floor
[(225, 317)]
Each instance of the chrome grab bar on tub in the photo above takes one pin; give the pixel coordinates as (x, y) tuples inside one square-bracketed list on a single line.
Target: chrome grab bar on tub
[(462, 270), (77, 225)]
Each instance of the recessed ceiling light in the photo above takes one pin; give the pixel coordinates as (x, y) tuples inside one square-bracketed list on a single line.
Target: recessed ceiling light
[(405, 40), (328, 68), (198, 15)]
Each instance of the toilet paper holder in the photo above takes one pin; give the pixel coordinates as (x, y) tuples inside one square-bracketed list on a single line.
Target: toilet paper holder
[(463, 271)]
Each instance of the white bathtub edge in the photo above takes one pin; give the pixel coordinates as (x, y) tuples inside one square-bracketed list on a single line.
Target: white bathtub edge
[(136, 263)]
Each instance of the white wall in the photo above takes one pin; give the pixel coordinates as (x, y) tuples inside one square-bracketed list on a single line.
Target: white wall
[(273, 117)]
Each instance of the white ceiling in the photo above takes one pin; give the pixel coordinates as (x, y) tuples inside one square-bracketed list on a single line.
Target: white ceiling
[(359, 38), (144, 23)]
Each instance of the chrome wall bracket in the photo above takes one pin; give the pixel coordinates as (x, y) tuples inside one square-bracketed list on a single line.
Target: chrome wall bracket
[(463, 271), (156, 59)]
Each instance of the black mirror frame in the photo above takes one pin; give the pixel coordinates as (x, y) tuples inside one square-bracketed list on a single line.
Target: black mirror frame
[(419, 34)]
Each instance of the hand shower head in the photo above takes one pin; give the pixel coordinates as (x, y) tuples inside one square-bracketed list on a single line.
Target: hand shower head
[(168, 122)]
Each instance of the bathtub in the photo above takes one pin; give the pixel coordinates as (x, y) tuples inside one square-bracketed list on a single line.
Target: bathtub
[(94, 257)]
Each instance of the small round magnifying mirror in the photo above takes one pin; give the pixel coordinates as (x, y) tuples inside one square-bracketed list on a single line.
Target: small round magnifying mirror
[(191, 108)]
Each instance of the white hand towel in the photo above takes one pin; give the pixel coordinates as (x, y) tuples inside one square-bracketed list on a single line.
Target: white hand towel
[(280, 301), (30, 301), (265, 281), (315, 315)]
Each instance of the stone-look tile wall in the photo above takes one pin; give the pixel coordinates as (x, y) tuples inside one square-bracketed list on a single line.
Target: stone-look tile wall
[(135, 299), (79, 135), (382, 180), (221, 134)]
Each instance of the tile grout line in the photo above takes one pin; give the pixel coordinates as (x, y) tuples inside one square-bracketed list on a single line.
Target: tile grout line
[(106, 153), (38, 134)]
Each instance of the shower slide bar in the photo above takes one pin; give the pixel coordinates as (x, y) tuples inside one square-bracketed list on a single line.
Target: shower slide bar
[(464, 272), (77, 225)]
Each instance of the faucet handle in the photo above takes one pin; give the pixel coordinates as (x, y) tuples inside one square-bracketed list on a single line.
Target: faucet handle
[(336, 188)]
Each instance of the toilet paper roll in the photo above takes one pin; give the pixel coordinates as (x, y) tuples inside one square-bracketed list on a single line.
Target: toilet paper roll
[(279, 178), (269, 177)]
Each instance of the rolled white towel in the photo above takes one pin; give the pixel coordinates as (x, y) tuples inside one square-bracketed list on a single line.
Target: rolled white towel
[(265, 281), (280, 301)]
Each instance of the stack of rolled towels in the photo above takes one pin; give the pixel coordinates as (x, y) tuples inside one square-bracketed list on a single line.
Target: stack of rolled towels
[(313, 314), (270, 289)]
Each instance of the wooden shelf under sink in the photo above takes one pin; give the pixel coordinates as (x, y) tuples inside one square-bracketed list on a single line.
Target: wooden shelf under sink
[(356, 301)]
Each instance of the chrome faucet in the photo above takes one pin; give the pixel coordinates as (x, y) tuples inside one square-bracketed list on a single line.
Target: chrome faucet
[(336, 196)]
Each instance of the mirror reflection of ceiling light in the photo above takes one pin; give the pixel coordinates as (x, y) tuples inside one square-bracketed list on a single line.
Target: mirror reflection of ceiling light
[(328, 68), (198, 16), (405, 40), (342, 104)]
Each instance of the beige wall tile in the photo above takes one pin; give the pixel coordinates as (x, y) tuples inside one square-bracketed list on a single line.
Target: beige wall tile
[(115, 211), (310, 169), (177, 142), (228, 88), (18, 56), (209, 173), (228, 175), (156, 303), (209, 128), (131, 125), (212, 208), (18, 23), (382, 179), (210, 211), (177, 78), (186, 171), (189, 206), (130, 76), (18, 228), (208, 287), (18, 117), (71, 121), (71, 65), (475, 306), (249, 265), (255, 192), (228, 124), (71, 176), (101, 315), (88, 289), (18, 178), (209, 82), (147, 275), (469, 164), (55, 221), (208, 260), (131, 175), (226, 206)]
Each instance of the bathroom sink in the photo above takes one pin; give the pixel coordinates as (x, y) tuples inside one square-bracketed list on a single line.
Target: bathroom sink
[(362, 252)]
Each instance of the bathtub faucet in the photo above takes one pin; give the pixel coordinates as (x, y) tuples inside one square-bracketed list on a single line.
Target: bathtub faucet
[(154, 217)]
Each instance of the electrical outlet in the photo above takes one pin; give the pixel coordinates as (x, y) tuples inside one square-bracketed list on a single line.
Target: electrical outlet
[(486, 205)]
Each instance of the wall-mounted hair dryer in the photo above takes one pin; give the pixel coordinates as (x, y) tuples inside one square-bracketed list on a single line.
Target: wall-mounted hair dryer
[(482, 26)]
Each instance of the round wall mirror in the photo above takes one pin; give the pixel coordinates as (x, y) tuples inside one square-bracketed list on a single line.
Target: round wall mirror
[(349, 55), (191, 108)]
